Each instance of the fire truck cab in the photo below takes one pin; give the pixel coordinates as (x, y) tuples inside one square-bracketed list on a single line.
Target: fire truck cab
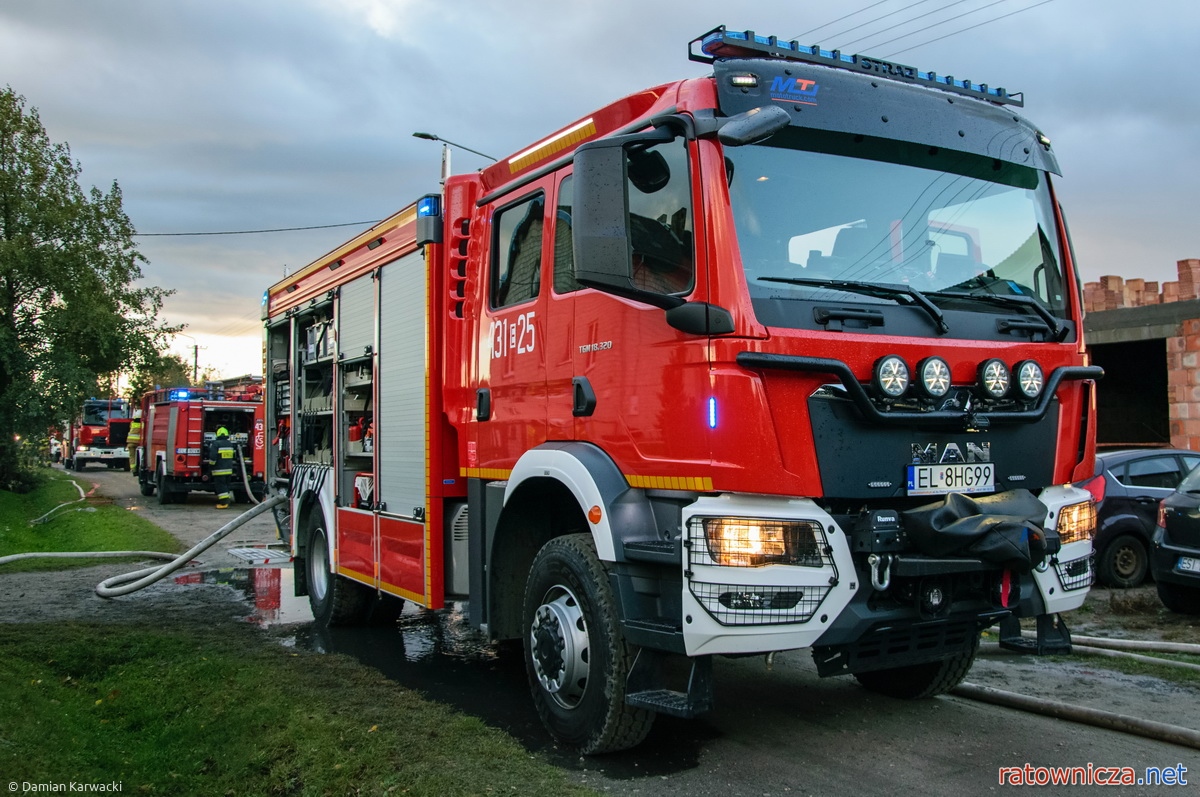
[(98, 435), (785, 357)]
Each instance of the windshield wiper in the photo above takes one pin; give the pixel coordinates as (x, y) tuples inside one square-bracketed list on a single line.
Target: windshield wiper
[(882, 290), (1057, 331)]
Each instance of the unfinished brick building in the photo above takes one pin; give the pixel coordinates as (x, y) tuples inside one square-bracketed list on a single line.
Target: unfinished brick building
[(1147, 338)]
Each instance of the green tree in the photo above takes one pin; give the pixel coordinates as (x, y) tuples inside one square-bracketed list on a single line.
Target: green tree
[(70, 312)]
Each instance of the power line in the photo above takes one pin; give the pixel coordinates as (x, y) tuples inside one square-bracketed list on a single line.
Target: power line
[(970, 27), (914, 19), (255, 232), (839, 19), (885, 16)]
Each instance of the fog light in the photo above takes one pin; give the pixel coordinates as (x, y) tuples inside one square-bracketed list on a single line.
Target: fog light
[(1076, 522), (1030, 379), (891, 376), (753, 542), (994, 378), (934, 377), (759, 601)]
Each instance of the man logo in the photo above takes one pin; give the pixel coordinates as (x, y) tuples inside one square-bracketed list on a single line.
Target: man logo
[(950, 453)]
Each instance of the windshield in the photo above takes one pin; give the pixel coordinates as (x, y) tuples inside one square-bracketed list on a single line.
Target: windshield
[(96, 414), (958, 229)]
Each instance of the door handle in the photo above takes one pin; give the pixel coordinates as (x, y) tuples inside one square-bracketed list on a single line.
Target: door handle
[(483, 404), (583, 397)]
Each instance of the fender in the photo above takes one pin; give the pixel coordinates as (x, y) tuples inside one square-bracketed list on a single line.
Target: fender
[(595, 481)]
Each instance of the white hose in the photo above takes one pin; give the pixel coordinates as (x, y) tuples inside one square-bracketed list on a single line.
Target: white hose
[(139, 579), (1131, 644), (42, 519), (1088, 716)]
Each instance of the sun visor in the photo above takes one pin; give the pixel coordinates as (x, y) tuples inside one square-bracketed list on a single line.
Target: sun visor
[(839, 100)]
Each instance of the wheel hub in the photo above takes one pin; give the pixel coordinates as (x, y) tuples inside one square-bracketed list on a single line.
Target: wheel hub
[(559, 647)]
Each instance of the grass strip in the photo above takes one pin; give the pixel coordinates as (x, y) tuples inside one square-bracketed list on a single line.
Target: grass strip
[(218, 712), (95, 524)]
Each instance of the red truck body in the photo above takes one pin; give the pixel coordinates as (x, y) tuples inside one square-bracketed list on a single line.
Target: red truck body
[(703, 373), (176, 425), (98, 435)]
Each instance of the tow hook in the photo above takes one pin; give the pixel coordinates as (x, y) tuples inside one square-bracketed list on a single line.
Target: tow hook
[(881, 575)]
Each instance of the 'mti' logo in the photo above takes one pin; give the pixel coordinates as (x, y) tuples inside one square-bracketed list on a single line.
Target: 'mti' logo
[(793, 89)]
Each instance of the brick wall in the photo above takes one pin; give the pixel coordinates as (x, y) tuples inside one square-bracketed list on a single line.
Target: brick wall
[(1111, 293), (1183, 350)]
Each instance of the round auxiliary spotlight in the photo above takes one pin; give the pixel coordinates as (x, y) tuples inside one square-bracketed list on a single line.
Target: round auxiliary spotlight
[(891, 376), (1029, 378), (933, 377), (994, 378)]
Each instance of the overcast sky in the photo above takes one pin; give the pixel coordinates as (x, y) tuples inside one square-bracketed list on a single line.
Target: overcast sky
[(226, 115)]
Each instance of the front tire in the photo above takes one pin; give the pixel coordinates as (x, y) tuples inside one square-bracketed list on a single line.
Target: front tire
[(1124, 562), (335, 600), (918, 681), (576, 658)]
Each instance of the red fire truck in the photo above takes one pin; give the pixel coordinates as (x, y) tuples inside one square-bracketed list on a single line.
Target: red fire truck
[(98, 435), (176, 425), (787, 356)]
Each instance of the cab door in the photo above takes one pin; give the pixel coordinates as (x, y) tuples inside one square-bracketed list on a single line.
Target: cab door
[(510, 360), (642, 386)]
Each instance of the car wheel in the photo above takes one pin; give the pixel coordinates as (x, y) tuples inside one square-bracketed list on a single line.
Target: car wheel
[(576, 657), (1181, 600), (1124, 562), (917, 681)]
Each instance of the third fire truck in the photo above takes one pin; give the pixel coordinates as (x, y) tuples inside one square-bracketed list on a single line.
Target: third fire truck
[(98, 435), (784, 357)]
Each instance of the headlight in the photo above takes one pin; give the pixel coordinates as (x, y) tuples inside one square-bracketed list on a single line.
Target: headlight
[(994, 378), (753, 542), (891, 376), (1030, 379), (1076, 522), (82, 448), (933, 375)]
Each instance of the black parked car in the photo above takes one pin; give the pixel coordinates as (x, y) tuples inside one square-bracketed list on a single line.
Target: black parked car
[(1128, 486), (1175, 552)]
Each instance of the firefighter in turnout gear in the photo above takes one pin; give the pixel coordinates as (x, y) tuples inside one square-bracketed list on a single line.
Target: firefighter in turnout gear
[(221, 454)]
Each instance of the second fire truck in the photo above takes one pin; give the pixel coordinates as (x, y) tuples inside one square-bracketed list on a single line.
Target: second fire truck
[(177, 424), (789, 356)]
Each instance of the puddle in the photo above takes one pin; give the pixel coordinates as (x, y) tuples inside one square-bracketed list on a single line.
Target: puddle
[(438, 654), (269, 590)]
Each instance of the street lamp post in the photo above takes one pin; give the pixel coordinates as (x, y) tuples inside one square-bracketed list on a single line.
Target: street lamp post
[(446, 145), (196, 347)]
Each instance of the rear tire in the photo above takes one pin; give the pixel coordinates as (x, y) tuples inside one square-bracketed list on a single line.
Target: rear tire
[(1123, 563), (164, 489), (576, 658), (335, 600), (1181, 600), (918, 681)]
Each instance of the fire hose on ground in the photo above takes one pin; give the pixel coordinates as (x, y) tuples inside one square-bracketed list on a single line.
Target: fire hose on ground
[(139, 579)]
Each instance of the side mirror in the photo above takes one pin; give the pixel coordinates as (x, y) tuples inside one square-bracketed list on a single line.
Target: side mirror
[(753, 126), (600, 213)]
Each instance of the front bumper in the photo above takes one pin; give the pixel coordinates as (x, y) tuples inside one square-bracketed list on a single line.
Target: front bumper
[(831, 602)]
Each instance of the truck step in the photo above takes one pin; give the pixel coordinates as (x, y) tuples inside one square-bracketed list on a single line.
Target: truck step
[(647, 686), (662, 551), (1053, 636)]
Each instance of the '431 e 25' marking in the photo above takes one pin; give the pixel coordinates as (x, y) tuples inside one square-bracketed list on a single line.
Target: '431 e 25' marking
[(513, 335)]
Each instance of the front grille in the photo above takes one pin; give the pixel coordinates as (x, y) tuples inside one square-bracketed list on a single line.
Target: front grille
[(1077, 573)]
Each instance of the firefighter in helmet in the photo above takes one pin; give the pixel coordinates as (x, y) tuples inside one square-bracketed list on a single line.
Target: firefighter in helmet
[(221, 454)]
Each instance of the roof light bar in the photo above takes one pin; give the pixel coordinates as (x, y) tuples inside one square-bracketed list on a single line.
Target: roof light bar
[(722, 43)]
